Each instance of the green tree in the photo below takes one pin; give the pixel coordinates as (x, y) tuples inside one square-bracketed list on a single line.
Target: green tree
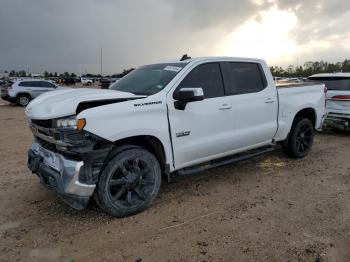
[(22, 73), (125, 72), (12, 73)]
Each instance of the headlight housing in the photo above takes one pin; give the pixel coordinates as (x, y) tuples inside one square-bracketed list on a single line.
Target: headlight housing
[(71, 123)]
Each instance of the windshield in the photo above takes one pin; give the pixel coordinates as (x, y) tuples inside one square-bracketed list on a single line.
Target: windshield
[(148, 80), (334, 83)]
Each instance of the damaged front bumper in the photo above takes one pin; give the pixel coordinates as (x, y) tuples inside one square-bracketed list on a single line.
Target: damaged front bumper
[(60, 174)]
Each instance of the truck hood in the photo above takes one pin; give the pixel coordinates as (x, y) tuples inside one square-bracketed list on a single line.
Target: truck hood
[(62, 103)]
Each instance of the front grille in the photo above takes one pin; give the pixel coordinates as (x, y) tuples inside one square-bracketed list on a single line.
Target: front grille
[(43, 123)]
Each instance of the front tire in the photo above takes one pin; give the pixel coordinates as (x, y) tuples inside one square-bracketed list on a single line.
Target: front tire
[(300, 139), (23, 100), (129, 183)]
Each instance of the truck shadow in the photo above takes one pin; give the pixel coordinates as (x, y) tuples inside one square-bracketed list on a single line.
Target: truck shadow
[(334, 132), (5, 104), (181, 188)]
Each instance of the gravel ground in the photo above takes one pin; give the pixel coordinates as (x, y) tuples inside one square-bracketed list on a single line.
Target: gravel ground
[(268, 209)]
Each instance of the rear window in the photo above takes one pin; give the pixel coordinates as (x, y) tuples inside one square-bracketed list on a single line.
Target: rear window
[(334, 83)]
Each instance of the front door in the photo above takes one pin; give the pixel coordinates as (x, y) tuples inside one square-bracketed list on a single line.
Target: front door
[(204, 128)]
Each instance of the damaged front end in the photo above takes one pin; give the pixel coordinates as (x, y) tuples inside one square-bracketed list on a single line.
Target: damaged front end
[(67, 159)]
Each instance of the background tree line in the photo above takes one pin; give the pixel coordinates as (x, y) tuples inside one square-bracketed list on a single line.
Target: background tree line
[(310, 68), (23, 73)]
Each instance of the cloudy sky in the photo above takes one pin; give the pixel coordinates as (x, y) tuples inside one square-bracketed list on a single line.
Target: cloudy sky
[(66, 35)]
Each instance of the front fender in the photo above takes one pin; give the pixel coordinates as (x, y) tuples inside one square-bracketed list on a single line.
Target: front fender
[(141, 117)]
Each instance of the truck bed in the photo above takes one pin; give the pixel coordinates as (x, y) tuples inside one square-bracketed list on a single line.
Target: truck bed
[(292, 98), (290, 85)]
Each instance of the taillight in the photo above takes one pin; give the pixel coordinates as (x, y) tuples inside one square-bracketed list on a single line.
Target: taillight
[(341, 98)]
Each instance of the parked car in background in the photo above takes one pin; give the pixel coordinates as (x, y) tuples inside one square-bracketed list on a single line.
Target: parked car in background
[(175, 117), (338, 99), (105, 82), (23, 91), (289, 80), (3, 87), (86, 81), (4, 83)]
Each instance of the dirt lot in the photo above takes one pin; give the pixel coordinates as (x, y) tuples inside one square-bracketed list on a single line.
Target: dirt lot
[(268, 209)]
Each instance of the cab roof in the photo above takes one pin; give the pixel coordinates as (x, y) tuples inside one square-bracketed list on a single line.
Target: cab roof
[(214, 58)]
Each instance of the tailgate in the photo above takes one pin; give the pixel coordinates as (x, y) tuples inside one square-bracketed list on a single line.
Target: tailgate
[(338, 101)]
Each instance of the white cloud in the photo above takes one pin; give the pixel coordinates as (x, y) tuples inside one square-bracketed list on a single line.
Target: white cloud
[(267, 37), (66, 35)]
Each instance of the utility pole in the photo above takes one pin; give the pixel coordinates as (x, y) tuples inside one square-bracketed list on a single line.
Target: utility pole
[(101, 60)]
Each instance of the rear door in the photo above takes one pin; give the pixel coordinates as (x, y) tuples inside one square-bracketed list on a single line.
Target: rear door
[(40, 87), (255, 103), (46, 86)]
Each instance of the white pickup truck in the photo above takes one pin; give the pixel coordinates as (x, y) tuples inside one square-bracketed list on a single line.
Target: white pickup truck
[(175, 117)]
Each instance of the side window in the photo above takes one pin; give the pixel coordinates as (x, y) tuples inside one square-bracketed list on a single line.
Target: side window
[(35, 84), (207, 76), (47, 84), (245, 78), (24, 84)]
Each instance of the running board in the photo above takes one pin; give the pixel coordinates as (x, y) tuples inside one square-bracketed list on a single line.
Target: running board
[(225, 161)]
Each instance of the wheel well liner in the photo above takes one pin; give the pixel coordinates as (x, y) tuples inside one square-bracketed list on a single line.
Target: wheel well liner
[(23, 93), (308, 113), (151, 143)]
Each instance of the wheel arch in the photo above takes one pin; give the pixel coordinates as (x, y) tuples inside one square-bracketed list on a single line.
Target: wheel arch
[(151, 143), (308, 113), (23, 93)]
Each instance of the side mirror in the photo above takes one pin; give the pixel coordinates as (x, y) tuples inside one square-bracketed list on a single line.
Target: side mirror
[(186, 95)]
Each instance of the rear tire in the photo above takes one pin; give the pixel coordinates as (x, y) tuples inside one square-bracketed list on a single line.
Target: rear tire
[(23, 100), (300, 139), (129, 183)]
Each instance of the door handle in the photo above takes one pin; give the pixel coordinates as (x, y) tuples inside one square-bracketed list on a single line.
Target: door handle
[(225, 107), (269, 101)]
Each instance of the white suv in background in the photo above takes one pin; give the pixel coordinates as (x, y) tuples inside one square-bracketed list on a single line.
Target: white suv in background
[(23, 91), (86, 81), (338, 99)]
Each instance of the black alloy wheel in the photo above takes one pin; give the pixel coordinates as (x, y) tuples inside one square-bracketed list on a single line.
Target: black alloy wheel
[(300, 139), (304, 138), (130, 182)]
